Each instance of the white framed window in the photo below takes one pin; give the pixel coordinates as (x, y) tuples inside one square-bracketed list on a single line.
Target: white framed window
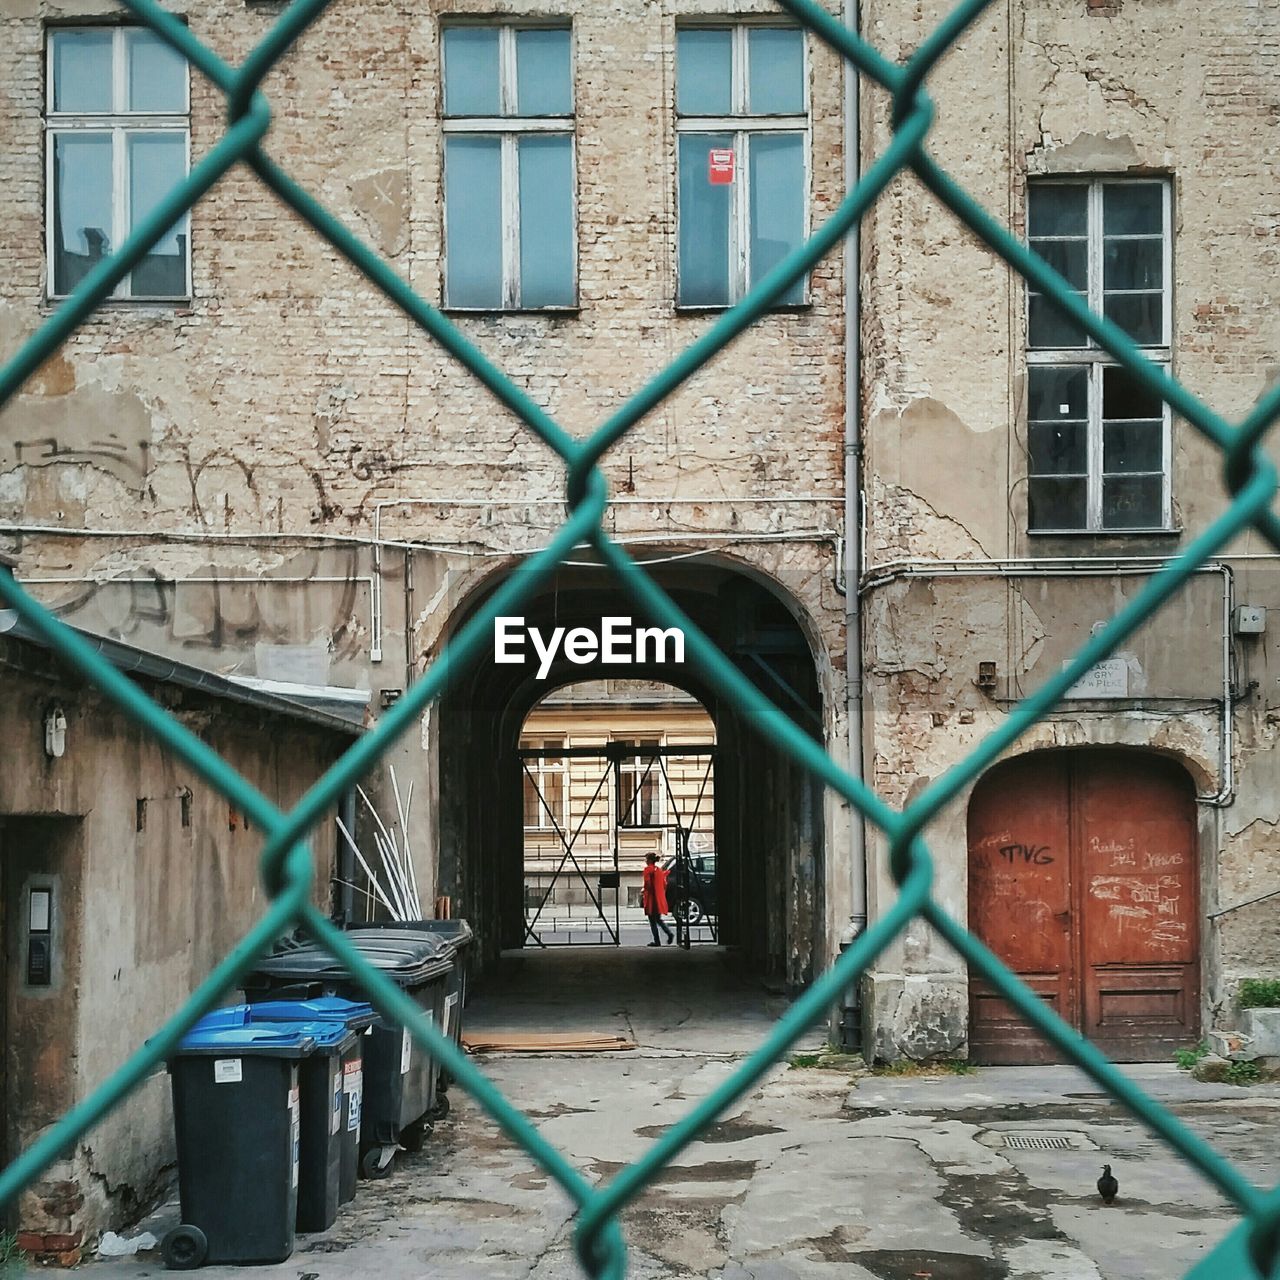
[(641, 787), (546, 787), (742, 139), (1099, 446), (117, 141), (509, 168)]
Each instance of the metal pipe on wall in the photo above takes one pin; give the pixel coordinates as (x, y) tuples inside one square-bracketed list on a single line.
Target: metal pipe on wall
[(377, 544), (1100, 567), (846, 1029)]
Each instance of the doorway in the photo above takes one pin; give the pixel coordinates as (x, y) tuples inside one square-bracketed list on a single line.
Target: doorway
[(592, 816), (1083, 880), (763, 852)]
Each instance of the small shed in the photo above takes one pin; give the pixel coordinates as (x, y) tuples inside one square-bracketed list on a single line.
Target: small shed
[(123, 880)]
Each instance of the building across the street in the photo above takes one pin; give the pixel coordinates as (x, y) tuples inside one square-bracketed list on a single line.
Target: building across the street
[(613, 770)]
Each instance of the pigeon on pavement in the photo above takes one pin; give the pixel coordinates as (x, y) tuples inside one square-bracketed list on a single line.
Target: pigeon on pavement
[(1107, 1185)]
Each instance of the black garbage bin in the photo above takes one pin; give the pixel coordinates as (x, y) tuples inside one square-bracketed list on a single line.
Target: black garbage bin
[(320, 1138), (236, 1109), (458, 934), (399, 1078), (357, 1017)]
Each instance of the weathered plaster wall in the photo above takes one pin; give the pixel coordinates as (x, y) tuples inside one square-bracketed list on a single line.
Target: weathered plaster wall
[(287, 395), (1185, 90), (288, 400), (141, 917)]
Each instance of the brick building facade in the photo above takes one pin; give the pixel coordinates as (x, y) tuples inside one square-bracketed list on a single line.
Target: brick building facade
[(279, 476)]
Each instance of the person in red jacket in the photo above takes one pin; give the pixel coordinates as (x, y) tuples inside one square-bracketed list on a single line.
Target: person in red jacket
[(653, 898)]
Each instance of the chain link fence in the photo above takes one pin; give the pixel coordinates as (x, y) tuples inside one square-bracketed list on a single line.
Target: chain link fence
[(1252, 1252)]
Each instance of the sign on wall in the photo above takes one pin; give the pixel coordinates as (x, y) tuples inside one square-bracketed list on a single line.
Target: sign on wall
[(1108, 679)]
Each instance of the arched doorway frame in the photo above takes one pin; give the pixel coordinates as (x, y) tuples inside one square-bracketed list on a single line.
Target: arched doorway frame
[(804, 950)]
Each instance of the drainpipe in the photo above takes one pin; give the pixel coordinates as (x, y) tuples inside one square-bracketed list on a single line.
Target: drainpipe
[(848, 1029)]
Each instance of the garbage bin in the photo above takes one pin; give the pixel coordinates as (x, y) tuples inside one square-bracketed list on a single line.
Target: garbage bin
[(459, 935), (236, 1118), (356, 1017), (321, 1133), (399, 1078)]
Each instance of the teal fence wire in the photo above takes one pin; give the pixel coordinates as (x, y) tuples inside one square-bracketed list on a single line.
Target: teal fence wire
[(1252, 1251)]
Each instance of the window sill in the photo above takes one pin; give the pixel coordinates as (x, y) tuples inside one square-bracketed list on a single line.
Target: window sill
[(182, 306), (714, 308), (497, 313), (1105, 533)]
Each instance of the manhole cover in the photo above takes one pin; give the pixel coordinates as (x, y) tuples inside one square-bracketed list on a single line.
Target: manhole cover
[(1038, 1141)]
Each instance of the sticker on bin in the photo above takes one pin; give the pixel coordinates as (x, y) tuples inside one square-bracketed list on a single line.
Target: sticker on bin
[(406, 1052), (450, 1002), (335, 1123), (227, 1071), (295, 1129), (353, 1083)]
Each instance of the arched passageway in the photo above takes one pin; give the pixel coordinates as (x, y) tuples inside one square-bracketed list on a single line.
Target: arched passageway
[(768, 812), (1083, 880)]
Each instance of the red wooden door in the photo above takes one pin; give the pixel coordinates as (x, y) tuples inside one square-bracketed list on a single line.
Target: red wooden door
[(1138, 894), (1020, 902), (1082, 880)]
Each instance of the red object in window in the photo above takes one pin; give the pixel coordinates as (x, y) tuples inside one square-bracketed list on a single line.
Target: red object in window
[(720, 166)]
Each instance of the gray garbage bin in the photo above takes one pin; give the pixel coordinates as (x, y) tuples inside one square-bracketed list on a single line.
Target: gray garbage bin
[(459, 935), (399, 1078)]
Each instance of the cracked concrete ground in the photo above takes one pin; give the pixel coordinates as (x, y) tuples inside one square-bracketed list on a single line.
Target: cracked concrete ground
[(814, 1175)]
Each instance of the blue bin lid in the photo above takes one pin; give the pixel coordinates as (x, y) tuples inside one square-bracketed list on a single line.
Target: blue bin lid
[(352, 1013), (329, 1037), (236, 1015), (278, 1040)]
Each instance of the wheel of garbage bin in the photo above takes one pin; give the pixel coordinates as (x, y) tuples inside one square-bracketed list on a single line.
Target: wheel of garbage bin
[(375, 1162), (412, 1136), (442, 1108), (184, 1248)]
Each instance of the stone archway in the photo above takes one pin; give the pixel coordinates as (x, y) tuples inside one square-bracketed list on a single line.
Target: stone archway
[(769, 812)]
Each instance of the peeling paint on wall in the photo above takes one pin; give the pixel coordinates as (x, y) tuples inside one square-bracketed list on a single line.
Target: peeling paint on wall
[(110, 431), (381, 199)]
